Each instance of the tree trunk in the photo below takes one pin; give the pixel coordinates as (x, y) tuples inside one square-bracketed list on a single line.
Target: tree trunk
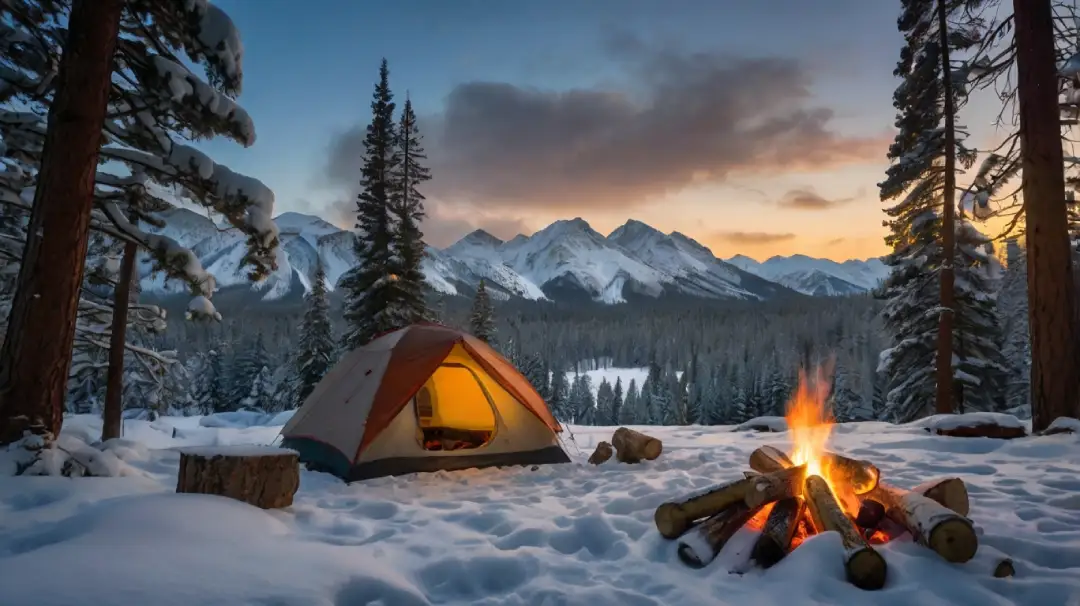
[(1055, 366), (112, 415), (36, 355), (263, 476), (943, 401), (633, 446)]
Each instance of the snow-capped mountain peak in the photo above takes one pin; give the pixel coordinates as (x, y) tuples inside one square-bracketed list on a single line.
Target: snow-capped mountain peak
[(566, 256)]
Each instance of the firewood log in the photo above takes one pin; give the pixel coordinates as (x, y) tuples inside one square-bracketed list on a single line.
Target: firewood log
[(950, 492), (767, 459), (948, 533), (865, 567), (700, 545), (263, 476), (861, 476), (774, 542), (633, 446), (602, 453), (674, 518), (1004, 569)]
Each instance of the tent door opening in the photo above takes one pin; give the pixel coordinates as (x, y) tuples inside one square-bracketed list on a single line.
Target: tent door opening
[(453, 410)]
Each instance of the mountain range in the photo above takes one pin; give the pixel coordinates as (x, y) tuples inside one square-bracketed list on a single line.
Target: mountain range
[(566, 259)]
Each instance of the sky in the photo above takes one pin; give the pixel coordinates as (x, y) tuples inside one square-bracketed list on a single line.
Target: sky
[(757, 128)]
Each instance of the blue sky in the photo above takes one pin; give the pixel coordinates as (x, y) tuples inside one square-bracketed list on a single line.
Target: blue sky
[(310, 66)]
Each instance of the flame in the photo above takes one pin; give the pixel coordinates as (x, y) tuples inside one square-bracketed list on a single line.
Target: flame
[(810, 421)]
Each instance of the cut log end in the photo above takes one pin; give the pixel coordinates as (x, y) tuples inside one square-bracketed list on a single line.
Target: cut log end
[(264, 477), (866, 569), (671, 520), (954, 540), (1004, 569), (949, 492)]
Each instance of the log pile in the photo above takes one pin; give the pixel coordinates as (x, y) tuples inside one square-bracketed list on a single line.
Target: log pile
[(786, 504), (628, 446)]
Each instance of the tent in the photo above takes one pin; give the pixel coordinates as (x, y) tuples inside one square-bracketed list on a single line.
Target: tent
[(422, 398)]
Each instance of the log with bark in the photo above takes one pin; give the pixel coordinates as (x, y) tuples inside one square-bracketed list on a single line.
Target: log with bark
[(602, 453), (767, 459), (948, 533), (262, 476), (865, 567), (774, 542), (860, 476), (950, 492), (700, 545), (633, 446), (674, 518)]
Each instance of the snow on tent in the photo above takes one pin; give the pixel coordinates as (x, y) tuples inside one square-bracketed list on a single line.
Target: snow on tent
[(422, 398)]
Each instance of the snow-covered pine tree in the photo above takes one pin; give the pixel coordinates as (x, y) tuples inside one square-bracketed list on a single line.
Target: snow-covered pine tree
[(407, 207), (630, 414), (200, 372), (1013, 317), (371, 298), (605, 403), (220, 395), (740, 406), (155, 103), (317, 350), (532, 368), (263, 388), (581, 401), (481, 319), (559, 401), (248, 364), (981, 375), (616, 401), (680, 402), (920, 156)]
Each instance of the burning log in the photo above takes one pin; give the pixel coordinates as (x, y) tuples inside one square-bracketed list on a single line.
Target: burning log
[(948, 533), (861, 476), (775, 540), (950, 492), (674, 518), (602, 453), (699, 546), (865, 567), (767, 459), (633, 446)]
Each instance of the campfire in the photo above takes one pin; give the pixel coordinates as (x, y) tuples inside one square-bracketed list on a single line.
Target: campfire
[(789, 496)]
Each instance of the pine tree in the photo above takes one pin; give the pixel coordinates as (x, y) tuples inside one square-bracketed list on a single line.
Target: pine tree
[(534, 369), (1013, 317), (220, 396), (605, 404), (481, 320), (630, 414), (560, 396), (616, 401), (372, 299), (317, 350), (408, 210), (581, 401)]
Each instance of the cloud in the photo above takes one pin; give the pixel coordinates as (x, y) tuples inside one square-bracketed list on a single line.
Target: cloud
[(805, 199), (836, 241), (753, 237)]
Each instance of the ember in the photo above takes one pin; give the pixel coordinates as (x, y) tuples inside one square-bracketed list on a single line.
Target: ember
[(790, 496)]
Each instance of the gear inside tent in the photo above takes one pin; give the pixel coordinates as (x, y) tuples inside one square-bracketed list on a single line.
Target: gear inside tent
[(422, 398)]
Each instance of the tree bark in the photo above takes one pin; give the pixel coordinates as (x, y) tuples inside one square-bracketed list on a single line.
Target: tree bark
[(702, 544), (263, 476), (36, 355), (865, 567), (1055, 365), (944, 399), (948, 533), (112, 414)]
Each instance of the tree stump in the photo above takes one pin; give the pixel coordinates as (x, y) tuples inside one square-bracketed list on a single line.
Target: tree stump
[(602, 453), (633, 446), (263, 476)]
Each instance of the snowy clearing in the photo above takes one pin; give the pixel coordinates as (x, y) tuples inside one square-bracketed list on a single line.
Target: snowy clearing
[(556, 535)]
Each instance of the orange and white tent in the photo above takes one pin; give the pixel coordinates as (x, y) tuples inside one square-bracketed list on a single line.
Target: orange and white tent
[(422, 398)]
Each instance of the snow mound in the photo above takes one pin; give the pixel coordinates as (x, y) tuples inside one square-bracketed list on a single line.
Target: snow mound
[(971, 419), (1063, 425), (554, 535), (70, 455), (763, 424), (245, 418)]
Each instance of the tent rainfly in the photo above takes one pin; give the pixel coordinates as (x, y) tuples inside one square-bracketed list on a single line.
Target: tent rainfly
[(422, 398)]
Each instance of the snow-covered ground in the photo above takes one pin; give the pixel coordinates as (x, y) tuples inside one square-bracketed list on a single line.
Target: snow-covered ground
[(557, 535)]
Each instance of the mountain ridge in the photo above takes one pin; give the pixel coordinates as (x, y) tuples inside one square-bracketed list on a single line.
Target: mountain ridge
[(566, 258)]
